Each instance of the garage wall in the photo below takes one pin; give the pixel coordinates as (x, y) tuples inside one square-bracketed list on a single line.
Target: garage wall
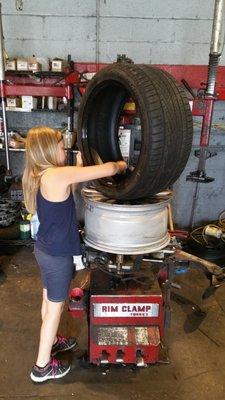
[(148, 31)]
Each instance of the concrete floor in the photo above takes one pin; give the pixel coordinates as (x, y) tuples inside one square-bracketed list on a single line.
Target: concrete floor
[(196, 346)]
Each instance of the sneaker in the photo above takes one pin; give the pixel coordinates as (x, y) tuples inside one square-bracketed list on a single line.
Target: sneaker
[(63, 344), (53, 370)]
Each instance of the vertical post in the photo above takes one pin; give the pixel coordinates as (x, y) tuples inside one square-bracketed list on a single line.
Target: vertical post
[(216, 45), (70, 112), (97, 33), (216, 48), (2, 78)]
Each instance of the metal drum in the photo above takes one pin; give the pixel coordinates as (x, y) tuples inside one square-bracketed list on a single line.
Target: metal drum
[(128, 227)]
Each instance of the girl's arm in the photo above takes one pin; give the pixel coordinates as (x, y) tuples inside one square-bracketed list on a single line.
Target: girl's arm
[(69, 175), (78, 163)]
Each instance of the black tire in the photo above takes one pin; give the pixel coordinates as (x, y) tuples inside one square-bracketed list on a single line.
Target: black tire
[(177, 107), (166, 122)]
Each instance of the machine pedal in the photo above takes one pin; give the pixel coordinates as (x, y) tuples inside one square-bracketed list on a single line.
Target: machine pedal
[(105, 357), (140, 360), (120, 357)]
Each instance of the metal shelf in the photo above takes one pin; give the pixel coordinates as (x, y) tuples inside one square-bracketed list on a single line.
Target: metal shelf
[(17, 109), (10, 149), (195, 75), (35, 73), (34, 90), (18, 150), (40, 83)]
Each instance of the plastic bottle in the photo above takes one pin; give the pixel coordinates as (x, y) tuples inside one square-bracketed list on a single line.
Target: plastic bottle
[(34, 225), (25, 230)]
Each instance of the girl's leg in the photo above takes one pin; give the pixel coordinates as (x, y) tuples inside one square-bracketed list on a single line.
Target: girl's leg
[(44, 304), (49, 329), (44, 308)]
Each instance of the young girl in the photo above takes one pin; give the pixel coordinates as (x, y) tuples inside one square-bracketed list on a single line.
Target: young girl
[(47, 190)]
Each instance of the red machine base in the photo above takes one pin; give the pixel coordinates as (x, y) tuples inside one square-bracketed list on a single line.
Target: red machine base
[(126, 321)]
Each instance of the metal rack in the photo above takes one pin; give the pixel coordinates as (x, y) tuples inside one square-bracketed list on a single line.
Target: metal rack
[(47, 83)]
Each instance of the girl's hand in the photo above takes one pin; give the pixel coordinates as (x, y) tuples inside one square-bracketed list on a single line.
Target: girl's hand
[(122, 166), (79, 161)]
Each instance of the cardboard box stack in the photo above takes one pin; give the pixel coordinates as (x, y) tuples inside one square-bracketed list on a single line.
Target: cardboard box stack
[(11, 65), (13, 102), (57, 65), (22, 64), (33, 64), (29, 103)]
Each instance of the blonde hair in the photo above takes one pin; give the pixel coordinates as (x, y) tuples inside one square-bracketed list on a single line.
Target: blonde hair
[(41, 153)]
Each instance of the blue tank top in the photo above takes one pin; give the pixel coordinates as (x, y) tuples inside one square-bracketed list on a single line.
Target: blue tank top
[(58, 231)]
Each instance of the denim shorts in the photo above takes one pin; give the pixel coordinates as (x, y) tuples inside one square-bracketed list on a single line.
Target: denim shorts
[(56, 274)]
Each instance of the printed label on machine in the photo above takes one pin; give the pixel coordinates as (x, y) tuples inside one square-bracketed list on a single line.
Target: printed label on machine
[(126, 309), (124, 143)]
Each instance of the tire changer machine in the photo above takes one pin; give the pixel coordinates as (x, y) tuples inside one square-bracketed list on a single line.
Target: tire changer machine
[(131, 261), (127, 305), (132, 258)]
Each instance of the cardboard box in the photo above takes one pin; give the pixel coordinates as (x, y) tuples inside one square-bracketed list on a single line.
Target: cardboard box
[(57, 65), (33, 64), (10, 65), (52, 103), (44, 61), (29, 102), (22, 64), (13, 102)]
